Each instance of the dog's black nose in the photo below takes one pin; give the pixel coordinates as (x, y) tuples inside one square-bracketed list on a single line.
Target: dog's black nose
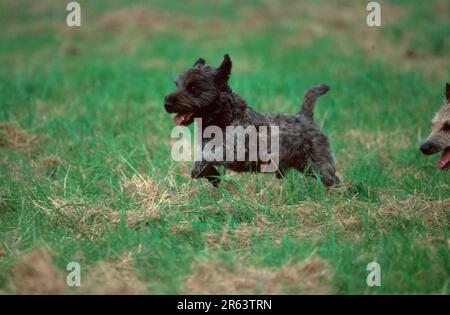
[(168, 104), (428, 148)]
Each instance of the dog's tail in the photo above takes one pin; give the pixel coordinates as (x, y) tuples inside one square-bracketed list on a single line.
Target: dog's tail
[(309, 99)]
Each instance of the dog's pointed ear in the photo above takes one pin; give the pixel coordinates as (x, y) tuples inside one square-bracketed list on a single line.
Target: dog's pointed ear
[(224, 70), (447, 91), (199, 63)]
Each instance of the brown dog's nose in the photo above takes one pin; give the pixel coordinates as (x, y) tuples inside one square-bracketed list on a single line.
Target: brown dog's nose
[(428, 148)]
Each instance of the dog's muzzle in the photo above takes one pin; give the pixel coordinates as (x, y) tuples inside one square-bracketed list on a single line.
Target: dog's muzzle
[(429, 148), (169, 104)]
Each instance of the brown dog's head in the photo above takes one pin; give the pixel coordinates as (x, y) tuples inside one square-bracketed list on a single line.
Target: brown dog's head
[(196, 90), (439, 138)]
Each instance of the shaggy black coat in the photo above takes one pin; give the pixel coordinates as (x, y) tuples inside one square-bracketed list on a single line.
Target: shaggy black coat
[(203, 92)]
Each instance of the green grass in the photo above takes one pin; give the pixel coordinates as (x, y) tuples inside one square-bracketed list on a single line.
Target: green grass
[(93, 97)]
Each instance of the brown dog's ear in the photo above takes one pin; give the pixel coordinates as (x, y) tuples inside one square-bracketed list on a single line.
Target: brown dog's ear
[(224, 70), (447, 91), (199, 63)]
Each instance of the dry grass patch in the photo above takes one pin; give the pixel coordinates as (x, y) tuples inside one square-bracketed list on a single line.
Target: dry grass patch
[(113, 277), (181, 227), (346, 20), (345, 214), (242, 236), (14, 137), (143, 19), (88, 220), (254, 188), (48, 165), (428, 212), (310, 276), (91, 220), (305, 220), (36, 274), (51, 162), (149, 195), (135, 17), (296, 222)]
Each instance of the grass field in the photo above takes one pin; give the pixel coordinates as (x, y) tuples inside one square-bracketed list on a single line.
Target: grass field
[(86, 173)]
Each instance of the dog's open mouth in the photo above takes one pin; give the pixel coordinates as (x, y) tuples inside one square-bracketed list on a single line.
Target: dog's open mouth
[(183, 119), (444, 162)]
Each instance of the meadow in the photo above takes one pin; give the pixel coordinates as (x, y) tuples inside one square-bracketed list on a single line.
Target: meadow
[(86, 173)]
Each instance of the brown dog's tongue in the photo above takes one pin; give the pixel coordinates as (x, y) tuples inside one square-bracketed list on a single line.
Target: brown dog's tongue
[(182, 119), (445, 159)]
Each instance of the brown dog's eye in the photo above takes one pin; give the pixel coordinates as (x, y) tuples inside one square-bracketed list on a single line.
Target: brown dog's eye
[(446, 127)]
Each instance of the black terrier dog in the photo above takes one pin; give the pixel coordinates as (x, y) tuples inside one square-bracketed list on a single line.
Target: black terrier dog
[(203, 92)]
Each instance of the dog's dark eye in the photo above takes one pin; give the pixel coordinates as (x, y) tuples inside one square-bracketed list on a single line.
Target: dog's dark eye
[(176, 84), (192, 88), (446, 127)]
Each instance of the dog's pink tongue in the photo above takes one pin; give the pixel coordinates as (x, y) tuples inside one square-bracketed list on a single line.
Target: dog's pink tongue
[(181, 119), (445, 159), (178, 119)]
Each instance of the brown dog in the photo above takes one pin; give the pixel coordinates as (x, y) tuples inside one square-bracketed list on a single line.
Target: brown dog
[(439, 138)]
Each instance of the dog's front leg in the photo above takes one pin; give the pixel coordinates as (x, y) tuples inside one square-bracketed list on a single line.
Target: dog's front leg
[(207, 170), (280, 173)]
